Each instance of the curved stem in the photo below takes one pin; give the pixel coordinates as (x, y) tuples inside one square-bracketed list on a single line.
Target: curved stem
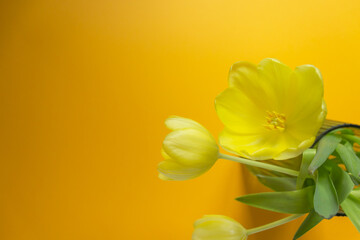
[(260, 164), (345, 125), (273, 224)]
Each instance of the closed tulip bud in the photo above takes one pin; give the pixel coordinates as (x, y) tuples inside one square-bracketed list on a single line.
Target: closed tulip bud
[(218, 227), (189, 150)]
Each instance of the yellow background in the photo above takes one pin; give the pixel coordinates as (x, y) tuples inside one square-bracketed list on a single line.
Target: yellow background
[(85, 89)]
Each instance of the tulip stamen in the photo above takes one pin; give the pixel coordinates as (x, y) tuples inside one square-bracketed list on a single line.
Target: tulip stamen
[(275, 121)]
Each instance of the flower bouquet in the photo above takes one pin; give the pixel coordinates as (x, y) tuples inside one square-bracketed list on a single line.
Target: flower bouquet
[(274, 120)]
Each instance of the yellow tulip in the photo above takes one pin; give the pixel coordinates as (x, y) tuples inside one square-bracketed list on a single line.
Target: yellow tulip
[(218, 227), (271, 111), (189, 150)]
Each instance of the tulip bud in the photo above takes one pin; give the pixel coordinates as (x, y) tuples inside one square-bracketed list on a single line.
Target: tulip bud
[(189, 150), (218, 227)]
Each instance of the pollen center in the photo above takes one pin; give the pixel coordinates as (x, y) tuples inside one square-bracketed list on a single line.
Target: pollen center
[(275, 121)]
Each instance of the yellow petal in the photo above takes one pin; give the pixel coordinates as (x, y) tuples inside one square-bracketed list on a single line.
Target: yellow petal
[(268, 147), (170, 170), (165, 155), (308, 125), (279, 146), (308, 93), (295, 151), (274, 78), (191, 147), (244, 77), (239, 113), (242, 74), (176, 123), (164, 177), (242, 145), (218, 227), (282, 147)]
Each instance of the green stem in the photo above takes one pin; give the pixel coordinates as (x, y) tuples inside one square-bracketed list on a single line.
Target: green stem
[(259, 164), (273, 224)]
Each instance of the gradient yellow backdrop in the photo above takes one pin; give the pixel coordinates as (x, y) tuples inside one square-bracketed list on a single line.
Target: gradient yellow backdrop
[(86, 86)]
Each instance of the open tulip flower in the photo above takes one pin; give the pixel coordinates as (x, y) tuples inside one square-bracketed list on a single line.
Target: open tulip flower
[(271, 111)]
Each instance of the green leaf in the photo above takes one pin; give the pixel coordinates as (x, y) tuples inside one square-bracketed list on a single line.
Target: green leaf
[(356, 180), (352, 138), (308, 156), (278, 184), (326, 147), (343, 131), (325, 197), (349, 158), (310, 221), (351, 207), (298, 201), (356, 193), (330, 164), (342, 183)]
